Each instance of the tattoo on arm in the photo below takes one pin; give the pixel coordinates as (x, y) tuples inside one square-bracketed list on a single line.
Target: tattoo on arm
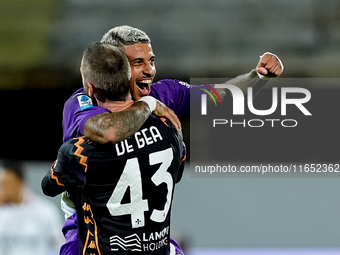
[(117, 126)]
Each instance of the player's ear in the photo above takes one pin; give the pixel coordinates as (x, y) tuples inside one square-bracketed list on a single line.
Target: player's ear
[(90, 89)]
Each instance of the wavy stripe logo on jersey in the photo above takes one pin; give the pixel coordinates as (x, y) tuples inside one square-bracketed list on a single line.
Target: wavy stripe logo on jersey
[(129, 243)]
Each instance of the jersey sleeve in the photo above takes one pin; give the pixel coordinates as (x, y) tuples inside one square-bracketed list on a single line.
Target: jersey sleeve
[(77, 110), (176, 95), (68, 171)]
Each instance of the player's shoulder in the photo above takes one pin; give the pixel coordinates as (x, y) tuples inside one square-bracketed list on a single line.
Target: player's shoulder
[(78, 142), (80, 147), (75, 95), (171, 82), (165, 125), (159, 120), (79, 99), (74, 156), (170, 131)]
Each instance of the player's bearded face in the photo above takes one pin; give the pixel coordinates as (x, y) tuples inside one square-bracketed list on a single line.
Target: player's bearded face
[(143, 70)]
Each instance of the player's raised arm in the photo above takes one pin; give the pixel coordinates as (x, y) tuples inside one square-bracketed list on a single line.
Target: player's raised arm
[(269, 66)]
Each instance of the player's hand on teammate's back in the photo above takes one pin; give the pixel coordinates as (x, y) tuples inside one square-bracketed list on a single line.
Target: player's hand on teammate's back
[(269, 65), (164, 111)]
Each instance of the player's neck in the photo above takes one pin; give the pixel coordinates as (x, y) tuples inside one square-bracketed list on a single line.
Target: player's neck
[(116, 106)]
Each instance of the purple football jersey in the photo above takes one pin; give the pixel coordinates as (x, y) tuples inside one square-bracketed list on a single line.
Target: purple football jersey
[(79, 107), (174, 94), (77, 110)]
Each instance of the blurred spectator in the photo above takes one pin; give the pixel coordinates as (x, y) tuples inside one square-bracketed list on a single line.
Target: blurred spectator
[(29, 224)]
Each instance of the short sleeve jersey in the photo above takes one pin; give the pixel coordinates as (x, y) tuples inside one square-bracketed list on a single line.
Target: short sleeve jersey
[(124, 190)]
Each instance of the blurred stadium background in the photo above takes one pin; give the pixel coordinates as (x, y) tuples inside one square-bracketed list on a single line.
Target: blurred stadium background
[(41, 43)]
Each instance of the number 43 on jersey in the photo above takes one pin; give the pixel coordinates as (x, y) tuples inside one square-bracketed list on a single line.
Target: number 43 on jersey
[(131, 177)]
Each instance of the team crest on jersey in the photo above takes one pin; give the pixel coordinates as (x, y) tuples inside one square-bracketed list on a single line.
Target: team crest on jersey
[(84, 102)]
